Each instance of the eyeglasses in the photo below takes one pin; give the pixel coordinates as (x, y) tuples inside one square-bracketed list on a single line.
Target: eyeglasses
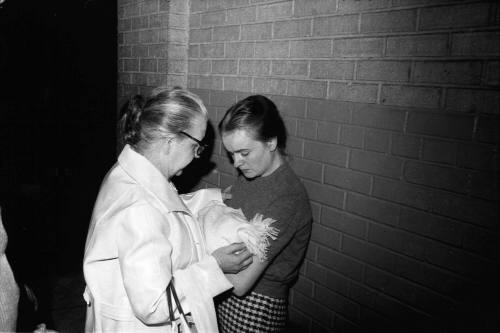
[(200, 148)]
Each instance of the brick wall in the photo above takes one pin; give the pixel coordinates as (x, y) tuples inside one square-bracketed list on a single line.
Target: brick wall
[(152, 45), (392, 110)]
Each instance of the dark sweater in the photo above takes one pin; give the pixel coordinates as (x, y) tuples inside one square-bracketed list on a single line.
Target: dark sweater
[(282, 197)]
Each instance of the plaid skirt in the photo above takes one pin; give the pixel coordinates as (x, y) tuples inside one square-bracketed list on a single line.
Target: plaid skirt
[(252, 313)]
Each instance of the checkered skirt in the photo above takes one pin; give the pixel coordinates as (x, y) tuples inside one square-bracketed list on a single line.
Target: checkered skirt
[(252, 313)]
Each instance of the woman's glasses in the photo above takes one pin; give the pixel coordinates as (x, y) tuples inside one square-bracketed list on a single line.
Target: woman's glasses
[(199, 148)]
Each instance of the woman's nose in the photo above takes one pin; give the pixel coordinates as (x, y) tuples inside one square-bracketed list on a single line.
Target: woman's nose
[(237, 161)]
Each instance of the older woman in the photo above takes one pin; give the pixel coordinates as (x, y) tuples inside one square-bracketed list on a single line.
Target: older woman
[(142, 235)]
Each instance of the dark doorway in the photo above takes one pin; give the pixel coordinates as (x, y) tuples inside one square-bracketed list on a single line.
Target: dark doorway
[(57, 130)]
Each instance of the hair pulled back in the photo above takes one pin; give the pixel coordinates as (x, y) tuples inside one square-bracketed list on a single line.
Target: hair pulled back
[(258, 115), (164, 112)]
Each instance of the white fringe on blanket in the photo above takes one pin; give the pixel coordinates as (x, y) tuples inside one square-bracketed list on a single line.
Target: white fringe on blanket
[(223, 225)]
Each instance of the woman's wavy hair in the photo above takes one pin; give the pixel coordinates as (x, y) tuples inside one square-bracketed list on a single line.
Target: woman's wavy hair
[(164, 112)]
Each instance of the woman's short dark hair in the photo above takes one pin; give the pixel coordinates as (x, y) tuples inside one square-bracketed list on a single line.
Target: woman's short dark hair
[(258, 115), (164, 112)]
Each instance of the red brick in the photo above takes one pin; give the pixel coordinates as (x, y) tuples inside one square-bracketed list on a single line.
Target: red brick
[(325, 236), (403, 193), (406, 145), (313, 309), (458, 72), (437, 279), (139, 79), (429, 225), (307, 169), (131, 65), (314, 7), (328, 132), (295, 28), (331, 154), (212, 50), (470, 15), (227, 33), (324, 194), (222, 98), (368, 253), (237, 83), (475, 211), (224, 66), (317, 48), (148, 65), (254, 67), (377, 141), (149, 36), (194, 21), (274, 11), (295, 147), (361, 5), (256, 31), (493, 73), (446, 178), (140, 22), (307, 88), (241, 15), (383, 71), (473, 100), (379, 164), (209, 82), (347, 179), (200, 35), (373, 208), (343, 222), (305, 286), (415, 96), (418, 45), (332, 69), (477, 156), (340, 263), (291, 126), (362, 294), (443, 125), (353, 92), (475, 44), (276, 49), (199, 66), (131, 10), (327, 278), (487, 128), (329, 110), (270, 86), (289, 68), (175, 66), (291, 106), (337, 303), (481, 241), (439, 151), (240, 50), (335, 25), (223, 4), (124, 25), (211, 19), (125, 52), (157, 50), (351, 136), (131, 37), (484, 185), (358, 47), (391, 21), (307, 129), (378, 116)]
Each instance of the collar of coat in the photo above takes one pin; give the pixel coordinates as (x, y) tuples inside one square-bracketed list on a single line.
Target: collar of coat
[(148, 176)]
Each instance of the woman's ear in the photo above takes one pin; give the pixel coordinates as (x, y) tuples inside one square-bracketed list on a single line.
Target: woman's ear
[(272, 144)]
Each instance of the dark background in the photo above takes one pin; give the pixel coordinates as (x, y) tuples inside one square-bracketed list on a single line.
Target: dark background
[(57, 132)]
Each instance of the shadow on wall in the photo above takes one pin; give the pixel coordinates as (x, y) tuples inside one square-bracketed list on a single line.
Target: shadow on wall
[(199, 167)]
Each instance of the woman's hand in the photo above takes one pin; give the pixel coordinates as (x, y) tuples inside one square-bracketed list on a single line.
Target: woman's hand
[(233, 258)]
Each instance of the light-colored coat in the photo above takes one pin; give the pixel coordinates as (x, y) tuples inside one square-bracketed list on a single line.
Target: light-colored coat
[(141, 234), (9, 292)]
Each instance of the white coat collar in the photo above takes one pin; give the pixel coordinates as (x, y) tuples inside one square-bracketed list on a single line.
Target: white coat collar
[(148, 176)]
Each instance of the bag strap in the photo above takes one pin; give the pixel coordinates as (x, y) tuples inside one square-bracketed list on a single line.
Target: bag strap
[(170, 309), (171, 289)]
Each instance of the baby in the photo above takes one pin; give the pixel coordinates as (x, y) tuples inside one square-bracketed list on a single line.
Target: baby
[(222, 225)]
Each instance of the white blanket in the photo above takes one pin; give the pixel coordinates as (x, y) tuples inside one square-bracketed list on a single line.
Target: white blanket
[(222, 225)]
